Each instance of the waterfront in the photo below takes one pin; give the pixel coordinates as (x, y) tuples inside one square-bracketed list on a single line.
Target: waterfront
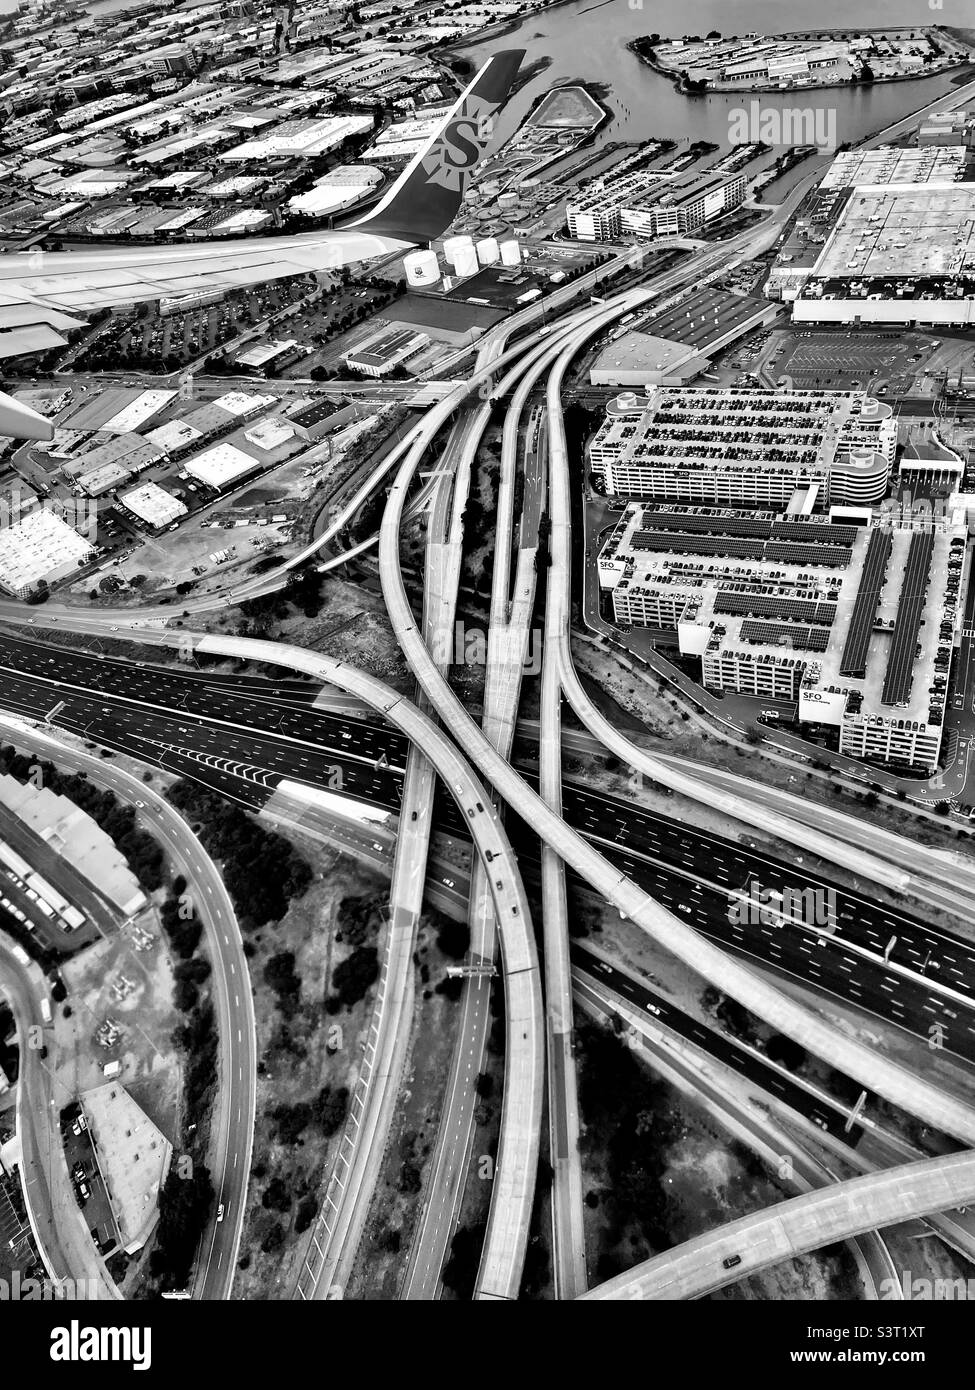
[(587, 41)]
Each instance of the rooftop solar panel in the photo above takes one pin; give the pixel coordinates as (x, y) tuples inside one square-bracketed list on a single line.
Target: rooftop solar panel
[(795, 635), (898, 677), (854, 659), (815, 531), (679, 543), (774, 606), (791, 553)]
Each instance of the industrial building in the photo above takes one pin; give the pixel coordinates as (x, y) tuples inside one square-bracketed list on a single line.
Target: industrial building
[(382, 352), (677, 340), (952, 127), (40, 549), (222, 466), (897, 254), (651, 204), (731, 446), (890, 164), (132, 1156), (844, 627), (75, 837), (153, 505)]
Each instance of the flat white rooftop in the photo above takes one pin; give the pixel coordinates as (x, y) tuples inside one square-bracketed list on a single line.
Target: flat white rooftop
[(222, 464), (903, 230)]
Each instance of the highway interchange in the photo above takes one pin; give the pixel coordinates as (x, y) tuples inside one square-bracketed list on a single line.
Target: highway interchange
[(244, 736)]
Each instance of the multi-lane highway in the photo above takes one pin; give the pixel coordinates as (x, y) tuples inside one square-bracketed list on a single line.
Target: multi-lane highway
[(244, 742)]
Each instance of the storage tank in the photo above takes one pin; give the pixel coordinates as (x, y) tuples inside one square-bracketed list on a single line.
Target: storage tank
[(507, 201), (488, 251), (491, 188), (454, 245), (466, 262), (510, 253), (422, 268)]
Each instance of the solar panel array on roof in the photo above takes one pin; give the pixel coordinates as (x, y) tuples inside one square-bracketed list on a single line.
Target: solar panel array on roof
[(795, 635), (772, 606), (900, 662), (791, 553), (854, 659), (678, 543), (816, 531), (711, 525)]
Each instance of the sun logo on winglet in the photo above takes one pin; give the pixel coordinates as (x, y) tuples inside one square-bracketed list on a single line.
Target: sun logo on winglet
[(458, 148)]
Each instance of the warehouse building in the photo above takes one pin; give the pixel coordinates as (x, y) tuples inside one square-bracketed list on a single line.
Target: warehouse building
[(382, 352), (153, 505), (898, 254), (39, 549), (222, 466)]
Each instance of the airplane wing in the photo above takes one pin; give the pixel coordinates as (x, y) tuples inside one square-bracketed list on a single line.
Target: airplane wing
[(39, 288), (426, 198), (20, 422), (420, 206)]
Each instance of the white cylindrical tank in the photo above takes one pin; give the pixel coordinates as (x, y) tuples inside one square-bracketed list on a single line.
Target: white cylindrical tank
[(490, 188), (466, 262), (510, 253), (454, 245), (488, 250), (508, 200), (422, 268)]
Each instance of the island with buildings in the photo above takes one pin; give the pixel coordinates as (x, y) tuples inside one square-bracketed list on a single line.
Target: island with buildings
[(817, 58)]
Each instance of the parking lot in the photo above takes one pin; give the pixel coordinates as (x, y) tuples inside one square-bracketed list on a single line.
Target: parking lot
[(844, 362), (89, 1190)]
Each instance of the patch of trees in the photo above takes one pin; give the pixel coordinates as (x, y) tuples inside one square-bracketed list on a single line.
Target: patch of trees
[(184, 1206), (189, 976), (360, 918), (353, 976), (279, 973), (260, 868), (454, 939), (786, 1052), (737, 1020), (182, 927), (197, 1039), (327, 1110), (460, 1271), (143, 855), (621, 1099)]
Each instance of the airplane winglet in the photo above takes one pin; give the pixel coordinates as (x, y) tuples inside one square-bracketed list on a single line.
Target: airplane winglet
[(20, 422), (426, 197)]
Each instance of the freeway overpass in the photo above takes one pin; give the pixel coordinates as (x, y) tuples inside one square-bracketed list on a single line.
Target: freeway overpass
[(819, 1218)]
